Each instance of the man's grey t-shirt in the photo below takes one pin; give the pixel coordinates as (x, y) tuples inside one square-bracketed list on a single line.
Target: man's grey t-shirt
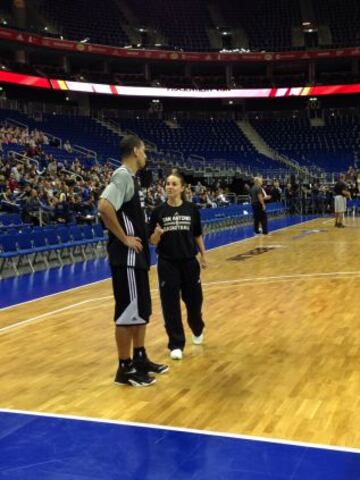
[(122, 194), (254, 192), (120, 189)]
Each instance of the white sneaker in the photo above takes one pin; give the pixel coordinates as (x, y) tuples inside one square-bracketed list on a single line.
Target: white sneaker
[(198, 340), (176, 354)]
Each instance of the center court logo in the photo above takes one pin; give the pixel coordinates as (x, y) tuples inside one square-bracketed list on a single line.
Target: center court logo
[(241, 257), (305, 233)]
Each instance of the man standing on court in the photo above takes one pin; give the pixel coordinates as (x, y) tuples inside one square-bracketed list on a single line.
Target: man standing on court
[(129, 257), (341, 194), (258, 197)]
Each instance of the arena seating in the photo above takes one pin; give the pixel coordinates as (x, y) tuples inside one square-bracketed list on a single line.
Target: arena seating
[(267, 23), (330, 147), (343, 18), (183, 23), (79, 130), (211, 139), (98, 21), (39, 243), (83, 131)]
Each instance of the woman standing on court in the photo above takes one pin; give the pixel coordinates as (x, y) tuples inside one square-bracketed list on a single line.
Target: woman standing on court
[(175, 228)]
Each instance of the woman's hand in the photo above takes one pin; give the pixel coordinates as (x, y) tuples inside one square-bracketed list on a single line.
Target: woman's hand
[(203, 261), (158, 231), (156, 236)]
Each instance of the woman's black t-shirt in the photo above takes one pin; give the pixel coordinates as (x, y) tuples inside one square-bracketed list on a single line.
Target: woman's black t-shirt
[(181, 226)]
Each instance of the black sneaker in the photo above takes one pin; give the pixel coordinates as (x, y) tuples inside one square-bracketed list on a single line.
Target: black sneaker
[(145, 366), (133, 377)]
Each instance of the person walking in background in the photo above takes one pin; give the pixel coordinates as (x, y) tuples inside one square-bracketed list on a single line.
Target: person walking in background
[(129, 257), (258, 197), (175, 228), (341, 194)]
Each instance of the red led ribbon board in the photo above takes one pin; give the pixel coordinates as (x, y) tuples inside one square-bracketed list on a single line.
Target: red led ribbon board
[(27, 80), (99, 88), (204, 94)]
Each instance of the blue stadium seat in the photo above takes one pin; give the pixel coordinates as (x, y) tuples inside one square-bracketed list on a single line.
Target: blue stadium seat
[(9, 252)]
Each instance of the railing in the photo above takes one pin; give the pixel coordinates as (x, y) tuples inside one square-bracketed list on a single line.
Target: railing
[(20, 157), (54, 137), (177, 153), (242, 199), (107, 122), (197, 158), (85, 151), (16, 123), (74, 174), (113, 162), (76, 148), (112, 124), (151, 146)]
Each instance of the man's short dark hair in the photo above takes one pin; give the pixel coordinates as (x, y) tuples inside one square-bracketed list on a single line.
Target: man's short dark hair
[(127, 145)]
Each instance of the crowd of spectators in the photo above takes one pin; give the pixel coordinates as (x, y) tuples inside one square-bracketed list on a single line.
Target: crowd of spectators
[(311, 197), (46, 190), (40, 186), (203, 196)]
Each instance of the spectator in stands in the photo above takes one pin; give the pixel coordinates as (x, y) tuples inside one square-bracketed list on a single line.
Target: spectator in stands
[(26, 193), (159, 195), (221, 199), (17, 170), (203, 199), (175, 228), (54, 142), (354, 189), (82, 211), (12, 183), (62, 210), (90, 208), (47, 205), (316, 199), (276, 192), (31, 209), (52, 168), (7, 195), (2, 182), (149, 202), (67, 147), (198, 187), (45, 139), (206, 199), (290, 195), (189, 193)]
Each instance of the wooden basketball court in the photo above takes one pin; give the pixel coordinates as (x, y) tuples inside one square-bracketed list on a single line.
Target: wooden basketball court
[(281, 354)]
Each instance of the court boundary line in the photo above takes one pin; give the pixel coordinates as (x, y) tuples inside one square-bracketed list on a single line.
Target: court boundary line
[(235, 281), (211, 433), (152, 266), (296, 276), (23, 323)]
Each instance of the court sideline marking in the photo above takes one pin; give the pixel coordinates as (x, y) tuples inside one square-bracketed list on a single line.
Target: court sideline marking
[(185, 430)]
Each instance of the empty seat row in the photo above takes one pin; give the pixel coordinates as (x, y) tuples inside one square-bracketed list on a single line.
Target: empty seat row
[(41, 243), (9, 219)]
